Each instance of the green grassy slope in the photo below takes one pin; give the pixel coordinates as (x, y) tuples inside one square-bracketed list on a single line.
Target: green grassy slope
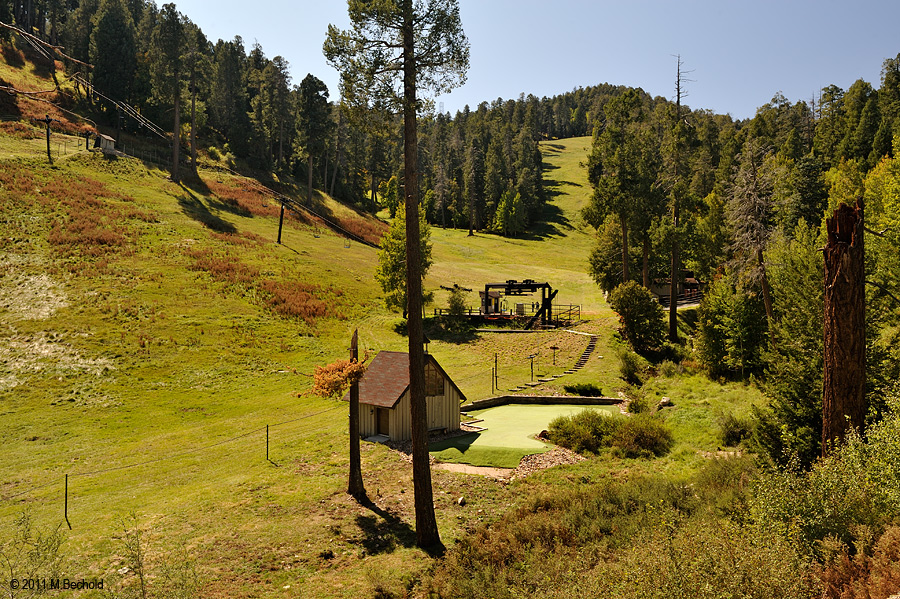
[(142, 352), (141, 357)]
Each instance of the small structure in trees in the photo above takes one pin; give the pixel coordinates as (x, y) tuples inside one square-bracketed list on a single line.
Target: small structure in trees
[(384, 397), (106, 144)]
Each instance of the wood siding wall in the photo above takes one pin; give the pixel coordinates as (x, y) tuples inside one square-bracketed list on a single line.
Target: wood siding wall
[(443, 412)]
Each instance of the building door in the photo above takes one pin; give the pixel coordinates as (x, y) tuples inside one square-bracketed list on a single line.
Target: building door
[(383, 421)]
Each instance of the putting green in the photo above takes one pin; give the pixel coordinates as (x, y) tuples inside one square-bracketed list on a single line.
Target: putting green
[(509, 435)]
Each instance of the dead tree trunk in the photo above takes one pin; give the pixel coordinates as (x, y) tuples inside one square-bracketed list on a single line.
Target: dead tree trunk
[(355, 486), (843, 399)]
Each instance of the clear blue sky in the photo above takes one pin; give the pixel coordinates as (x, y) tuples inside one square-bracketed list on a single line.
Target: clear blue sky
[(739, 53)]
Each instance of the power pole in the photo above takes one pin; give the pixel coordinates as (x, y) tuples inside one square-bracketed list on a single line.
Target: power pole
[(47, 120)]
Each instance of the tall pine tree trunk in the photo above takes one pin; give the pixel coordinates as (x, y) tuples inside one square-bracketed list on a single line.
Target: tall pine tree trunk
[(767, 294), (337, 153), (309, 168), (843, 398), (176, 140), (194, 120), (426, 524), (625, 273), (355, 484), (646, 265)]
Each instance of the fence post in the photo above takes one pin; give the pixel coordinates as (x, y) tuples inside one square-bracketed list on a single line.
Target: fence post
[(66, 505)]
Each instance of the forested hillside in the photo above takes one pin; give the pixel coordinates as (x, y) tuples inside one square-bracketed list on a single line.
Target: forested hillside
[(156, 325), (480, 169), (741, 206)]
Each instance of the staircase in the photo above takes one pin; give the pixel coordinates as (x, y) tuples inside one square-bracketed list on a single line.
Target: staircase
[(592, 344), (588, 351)]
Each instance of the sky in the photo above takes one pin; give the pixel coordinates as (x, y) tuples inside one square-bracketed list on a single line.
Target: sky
[(737, 55)]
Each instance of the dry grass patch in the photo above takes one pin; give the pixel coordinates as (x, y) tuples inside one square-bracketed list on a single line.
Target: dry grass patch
[(294, 299), (19, 130), (223, 267)]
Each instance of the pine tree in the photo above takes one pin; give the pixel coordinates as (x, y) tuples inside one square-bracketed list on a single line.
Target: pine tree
[(313, 122), (423, 41), (113, 50), (166, 70)]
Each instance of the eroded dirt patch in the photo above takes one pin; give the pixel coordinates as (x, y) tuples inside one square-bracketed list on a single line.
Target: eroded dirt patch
[(30, 297), (25, 355)]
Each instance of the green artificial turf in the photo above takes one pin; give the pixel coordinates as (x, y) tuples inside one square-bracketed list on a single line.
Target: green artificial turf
[(509, 435)]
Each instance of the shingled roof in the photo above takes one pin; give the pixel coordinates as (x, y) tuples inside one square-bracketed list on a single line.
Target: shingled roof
[(387, 379)]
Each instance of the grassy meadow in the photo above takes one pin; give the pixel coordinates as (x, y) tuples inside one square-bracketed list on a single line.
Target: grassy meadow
[(152, 331)]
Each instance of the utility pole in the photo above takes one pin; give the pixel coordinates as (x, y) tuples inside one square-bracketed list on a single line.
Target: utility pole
[(47, 120), (280, 222)]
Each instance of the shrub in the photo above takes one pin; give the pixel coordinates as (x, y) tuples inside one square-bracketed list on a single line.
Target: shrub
[(865, 574), (640, 314), (28, 552), (856, 488), (632, 367), (584, 389), (668, 369), (586, 431), (641, 436), (732, 429), (637, 401)]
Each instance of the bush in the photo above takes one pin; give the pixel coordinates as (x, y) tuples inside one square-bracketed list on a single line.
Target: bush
[(633, 367), (642, 436), (586, 431), (640, 314), (28, 552), (584, 389), (669, 369), (637, 401), (857, 488), (732, 429)]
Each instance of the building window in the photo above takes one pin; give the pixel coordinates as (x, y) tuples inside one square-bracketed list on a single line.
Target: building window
[(434, 382)]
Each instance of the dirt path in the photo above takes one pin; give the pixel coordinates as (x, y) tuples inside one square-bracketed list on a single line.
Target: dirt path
[(498, 473)]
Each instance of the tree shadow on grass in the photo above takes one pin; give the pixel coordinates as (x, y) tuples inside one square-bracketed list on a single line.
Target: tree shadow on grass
[(12, 56), (382, 531), (448, 329), (552, 223), (197, 210), (461, 442), (195, 183)]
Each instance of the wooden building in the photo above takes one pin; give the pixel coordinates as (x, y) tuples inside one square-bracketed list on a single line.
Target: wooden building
[(384, 397), (106, 144)]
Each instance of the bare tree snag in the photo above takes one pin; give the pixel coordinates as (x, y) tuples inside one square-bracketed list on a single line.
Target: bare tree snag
[(355, 486), (843, 400)]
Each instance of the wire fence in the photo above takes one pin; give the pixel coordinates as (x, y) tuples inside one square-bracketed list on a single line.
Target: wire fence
[(63, 478)]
